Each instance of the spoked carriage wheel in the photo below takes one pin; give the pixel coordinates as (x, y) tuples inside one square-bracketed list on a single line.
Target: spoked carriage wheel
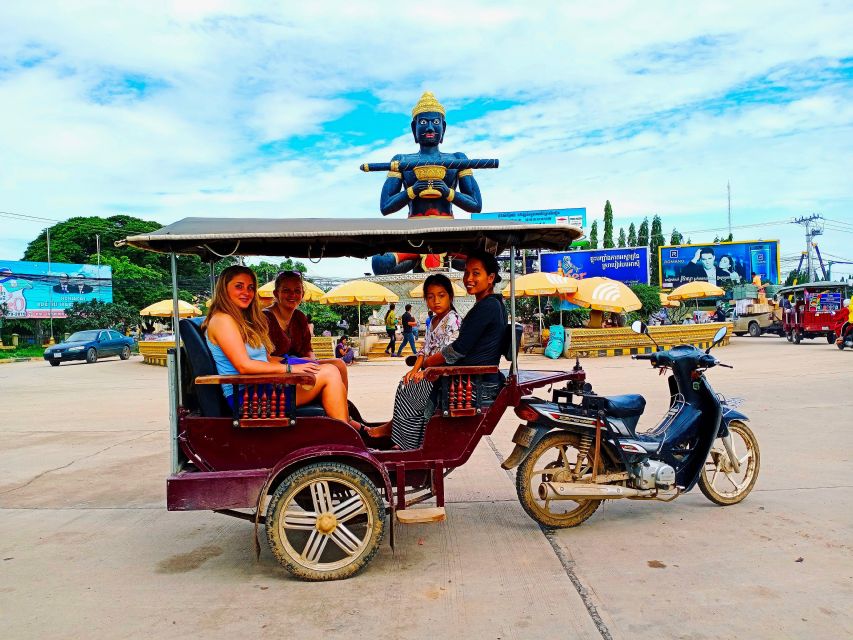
[(325, 522), (559, 457), (719, 481)]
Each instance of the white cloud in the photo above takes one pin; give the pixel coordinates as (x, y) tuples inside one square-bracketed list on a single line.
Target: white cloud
[(635, 102)]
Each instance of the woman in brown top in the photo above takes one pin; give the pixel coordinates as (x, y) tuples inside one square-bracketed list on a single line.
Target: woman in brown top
[(288, 326)]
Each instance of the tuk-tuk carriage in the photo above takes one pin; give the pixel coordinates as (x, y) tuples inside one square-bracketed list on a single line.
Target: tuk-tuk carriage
[(321, 491), (809, 309)]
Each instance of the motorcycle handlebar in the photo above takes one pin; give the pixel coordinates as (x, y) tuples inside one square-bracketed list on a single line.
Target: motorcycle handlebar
[(643, 356)]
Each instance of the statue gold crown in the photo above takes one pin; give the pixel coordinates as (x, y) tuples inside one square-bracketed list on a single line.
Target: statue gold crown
[(428, 104)]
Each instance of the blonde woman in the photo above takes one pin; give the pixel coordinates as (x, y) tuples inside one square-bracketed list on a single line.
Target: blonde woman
[(236, 333)]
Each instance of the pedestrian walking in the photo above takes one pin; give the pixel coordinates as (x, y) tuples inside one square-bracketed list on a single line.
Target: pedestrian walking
[(408, 321), (391, 329)]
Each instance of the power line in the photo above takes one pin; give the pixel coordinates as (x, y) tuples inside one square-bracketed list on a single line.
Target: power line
[(741, 226), (841, 222), (27, 216)]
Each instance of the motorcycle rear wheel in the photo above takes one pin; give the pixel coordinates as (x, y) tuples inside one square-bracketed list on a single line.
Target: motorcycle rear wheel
[(554, 458), (718, 480)]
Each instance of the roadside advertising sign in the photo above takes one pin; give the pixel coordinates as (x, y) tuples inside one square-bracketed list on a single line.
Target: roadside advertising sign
[(629, 264), (32, 290), (573, 217), (719, 263), (827, 301)]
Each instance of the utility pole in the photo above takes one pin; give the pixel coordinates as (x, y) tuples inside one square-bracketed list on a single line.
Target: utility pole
[(813, 229), (49, 291), (729, 191), (98, 248)]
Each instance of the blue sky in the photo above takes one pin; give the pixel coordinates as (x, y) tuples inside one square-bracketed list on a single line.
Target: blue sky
[(164, 110)]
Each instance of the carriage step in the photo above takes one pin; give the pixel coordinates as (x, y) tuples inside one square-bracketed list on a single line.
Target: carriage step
[(421, 516)]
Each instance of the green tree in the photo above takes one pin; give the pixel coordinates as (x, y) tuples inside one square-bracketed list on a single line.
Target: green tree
[(729, 238), (632, 235), (267, 271), (95, 314), (643, 234), (623, 242), (593, 235), (797, 277), (134, 285), (608, 226), (676, 237), (655, 242), (649, 297), (76, 241)]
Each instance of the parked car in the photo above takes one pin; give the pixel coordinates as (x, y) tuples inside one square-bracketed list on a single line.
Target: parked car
[(89, 346)]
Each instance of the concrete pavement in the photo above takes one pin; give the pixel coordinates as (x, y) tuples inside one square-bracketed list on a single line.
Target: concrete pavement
[(88, 550)]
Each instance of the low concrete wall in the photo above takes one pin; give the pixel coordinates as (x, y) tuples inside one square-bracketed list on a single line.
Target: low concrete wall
[(591, 343)]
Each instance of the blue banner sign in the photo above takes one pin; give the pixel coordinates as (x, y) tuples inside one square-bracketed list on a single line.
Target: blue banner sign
[(827, 301), (572, 217), (724, 263), (32, 290), (629, 265)]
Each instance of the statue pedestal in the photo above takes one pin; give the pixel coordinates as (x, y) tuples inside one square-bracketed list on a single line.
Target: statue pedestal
[(402, 284)]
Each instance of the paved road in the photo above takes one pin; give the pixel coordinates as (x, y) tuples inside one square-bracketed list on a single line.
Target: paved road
[(87, 549)]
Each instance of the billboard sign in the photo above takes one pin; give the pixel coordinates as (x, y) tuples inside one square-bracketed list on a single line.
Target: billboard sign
[(720, 264), (629, 264), (573, 217), (34, 290)]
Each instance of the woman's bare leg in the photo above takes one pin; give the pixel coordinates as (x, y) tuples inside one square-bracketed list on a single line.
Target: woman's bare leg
[(330, 389), (341, 366)]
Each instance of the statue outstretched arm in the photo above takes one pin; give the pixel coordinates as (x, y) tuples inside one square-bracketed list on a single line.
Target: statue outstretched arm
[(393, 196), (468, 196)]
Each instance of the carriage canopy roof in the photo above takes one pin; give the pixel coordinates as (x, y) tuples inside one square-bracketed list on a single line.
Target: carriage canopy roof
[(317, 238), (813, 286)]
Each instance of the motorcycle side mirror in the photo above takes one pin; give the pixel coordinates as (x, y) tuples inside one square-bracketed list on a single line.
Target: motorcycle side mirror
[(638, 326), (718, 338)]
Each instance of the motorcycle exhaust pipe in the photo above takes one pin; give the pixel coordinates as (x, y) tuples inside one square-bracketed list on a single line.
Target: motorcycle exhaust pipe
[(582, 491)]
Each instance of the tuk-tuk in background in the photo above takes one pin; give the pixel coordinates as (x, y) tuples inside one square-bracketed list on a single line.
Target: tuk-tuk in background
[(809, 309)]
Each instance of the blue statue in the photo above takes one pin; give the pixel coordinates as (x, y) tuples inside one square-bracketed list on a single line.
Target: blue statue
[(429, 182)]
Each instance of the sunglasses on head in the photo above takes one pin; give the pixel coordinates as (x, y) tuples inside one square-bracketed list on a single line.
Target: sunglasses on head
[(290, 273)]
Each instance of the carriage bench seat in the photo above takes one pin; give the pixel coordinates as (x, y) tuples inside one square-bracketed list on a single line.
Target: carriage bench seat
[(459, 388), (266, 400), (210, 402)]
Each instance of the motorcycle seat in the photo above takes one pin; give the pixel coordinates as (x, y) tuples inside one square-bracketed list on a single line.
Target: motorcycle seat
[(625, 406)]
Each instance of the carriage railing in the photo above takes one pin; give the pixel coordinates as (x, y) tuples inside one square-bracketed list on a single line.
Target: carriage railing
[(459, 389), (263, 400)]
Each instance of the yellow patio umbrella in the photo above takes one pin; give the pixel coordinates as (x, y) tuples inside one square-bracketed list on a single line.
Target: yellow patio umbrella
[(356, 292), (603, 294), (313, 293), (542, 284), (163, 309), (696, 289), (418, 292), (666, 302)]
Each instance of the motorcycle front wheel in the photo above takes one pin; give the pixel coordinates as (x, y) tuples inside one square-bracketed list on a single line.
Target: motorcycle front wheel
[(558, 457), (719, 481)]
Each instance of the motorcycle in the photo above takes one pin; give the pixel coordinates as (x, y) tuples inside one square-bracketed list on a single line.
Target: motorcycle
[(581, 448)]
